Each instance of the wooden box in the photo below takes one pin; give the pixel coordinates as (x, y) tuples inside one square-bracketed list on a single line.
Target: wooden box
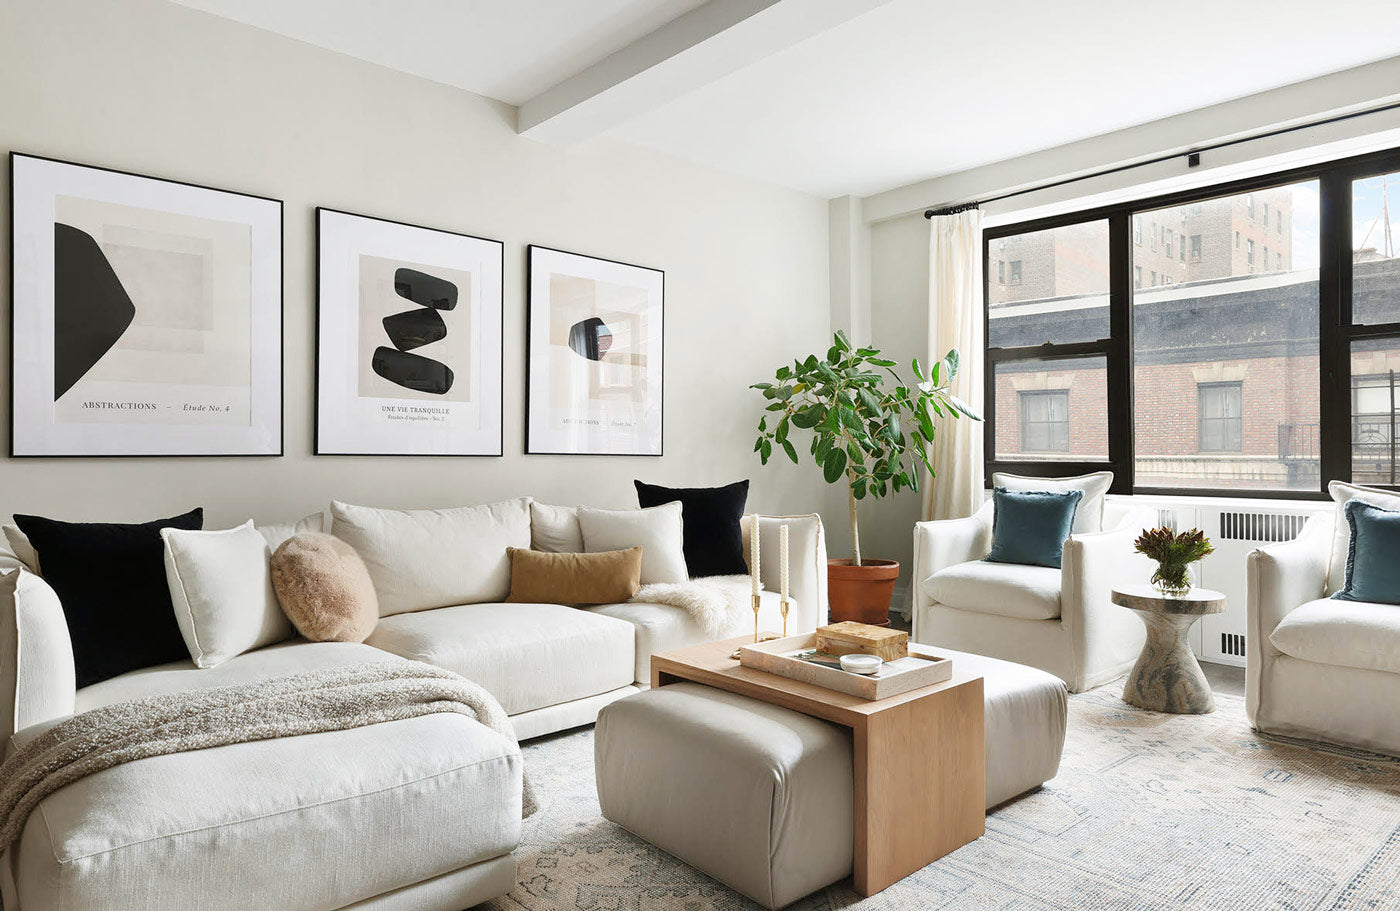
[(849, 637), (771, 656)]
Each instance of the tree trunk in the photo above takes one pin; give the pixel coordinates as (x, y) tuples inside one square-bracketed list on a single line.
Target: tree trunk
[(855, 527)]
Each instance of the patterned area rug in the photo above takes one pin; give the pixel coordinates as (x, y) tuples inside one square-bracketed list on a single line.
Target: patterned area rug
[(1149, 811)]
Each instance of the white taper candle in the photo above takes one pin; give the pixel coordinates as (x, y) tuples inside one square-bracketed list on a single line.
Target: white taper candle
[(753, 552), (783, 554)]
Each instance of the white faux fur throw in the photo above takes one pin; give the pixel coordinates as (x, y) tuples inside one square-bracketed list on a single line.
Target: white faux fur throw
[(718, 603), (334, 699)]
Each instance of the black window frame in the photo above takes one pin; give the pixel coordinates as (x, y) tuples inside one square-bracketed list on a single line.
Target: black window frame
[(1336, 330), (1202, 389)]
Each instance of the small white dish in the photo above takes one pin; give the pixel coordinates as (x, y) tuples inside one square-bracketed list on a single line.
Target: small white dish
[(860, 664)]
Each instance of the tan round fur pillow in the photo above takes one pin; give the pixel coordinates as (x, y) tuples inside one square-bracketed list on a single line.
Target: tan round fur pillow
[(324, 588)]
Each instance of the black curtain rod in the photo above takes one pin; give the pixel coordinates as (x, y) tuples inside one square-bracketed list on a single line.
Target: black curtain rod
[(1193, 158)]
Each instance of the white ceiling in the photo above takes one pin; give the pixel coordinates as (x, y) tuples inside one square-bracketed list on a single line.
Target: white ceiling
[(510, 50), (909, 90)]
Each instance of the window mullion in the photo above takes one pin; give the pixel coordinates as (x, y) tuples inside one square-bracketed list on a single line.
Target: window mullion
[(1120, 347)]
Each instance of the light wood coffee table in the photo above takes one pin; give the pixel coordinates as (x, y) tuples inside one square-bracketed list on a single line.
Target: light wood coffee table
[(920, 769)]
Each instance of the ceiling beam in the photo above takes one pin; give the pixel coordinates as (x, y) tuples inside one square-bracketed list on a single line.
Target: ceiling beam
[(705, 44)]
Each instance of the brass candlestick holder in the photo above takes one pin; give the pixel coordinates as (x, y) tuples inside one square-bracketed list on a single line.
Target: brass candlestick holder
[(756, 603), (784, 611)]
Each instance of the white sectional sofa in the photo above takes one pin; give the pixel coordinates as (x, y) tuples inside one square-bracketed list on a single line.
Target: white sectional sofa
[(198, 823)]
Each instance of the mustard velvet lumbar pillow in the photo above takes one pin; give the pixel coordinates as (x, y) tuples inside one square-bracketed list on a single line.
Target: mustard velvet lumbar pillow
[(324, 588), (610, 577)]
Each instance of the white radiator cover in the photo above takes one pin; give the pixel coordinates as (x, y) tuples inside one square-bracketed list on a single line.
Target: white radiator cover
[(1235, 527)]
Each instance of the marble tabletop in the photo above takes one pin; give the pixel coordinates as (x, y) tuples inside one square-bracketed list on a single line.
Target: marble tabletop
[(1146, 597)]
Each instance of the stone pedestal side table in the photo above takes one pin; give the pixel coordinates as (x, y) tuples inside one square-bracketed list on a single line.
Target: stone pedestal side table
[(1167, 677)]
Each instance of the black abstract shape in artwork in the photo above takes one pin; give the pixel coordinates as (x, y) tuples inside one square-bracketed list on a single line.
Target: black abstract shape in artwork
[(415, 328), (412, 371), (424, 289), (590, 338), (91, 309)]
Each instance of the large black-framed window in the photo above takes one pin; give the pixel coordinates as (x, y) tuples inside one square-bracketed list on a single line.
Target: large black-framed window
[(1287, 334)]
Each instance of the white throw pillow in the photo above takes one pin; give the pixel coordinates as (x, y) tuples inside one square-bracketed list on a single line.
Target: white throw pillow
[(1341, 531), (658, 530), (18, 553), (222, 592), (554, 529), (277, 532), (425, 558), (1088, 518)]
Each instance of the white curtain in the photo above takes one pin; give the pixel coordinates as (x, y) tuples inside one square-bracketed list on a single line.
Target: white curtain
[(955, 321)]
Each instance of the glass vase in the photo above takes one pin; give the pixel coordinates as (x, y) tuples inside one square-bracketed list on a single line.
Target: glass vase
[(1172, 579)]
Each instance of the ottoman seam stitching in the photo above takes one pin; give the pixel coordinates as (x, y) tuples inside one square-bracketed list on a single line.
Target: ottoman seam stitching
[(309, 806)]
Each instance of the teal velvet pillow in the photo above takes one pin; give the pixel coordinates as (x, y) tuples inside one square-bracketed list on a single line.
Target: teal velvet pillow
[(1373, 572), (1030, 526)]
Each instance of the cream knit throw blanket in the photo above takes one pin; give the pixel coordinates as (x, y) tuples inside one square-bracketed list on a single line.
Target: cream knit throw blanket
[(335, 699), (721, 605)]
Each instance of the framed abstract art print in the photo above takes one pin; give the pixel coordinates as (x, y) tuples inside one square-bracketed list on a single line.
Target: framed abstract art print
[(595, 348), (408, 326), (146, 315)]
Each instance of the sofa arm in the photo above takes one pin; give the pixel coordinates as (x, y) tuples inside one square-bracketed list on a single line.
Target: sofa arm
[(37, 681), (1103, 636), (806, 565), (942, 543)]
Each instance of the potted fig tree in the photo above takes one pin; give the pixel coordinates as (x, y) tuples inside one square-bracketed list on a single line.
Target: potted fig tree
[(870, 429)]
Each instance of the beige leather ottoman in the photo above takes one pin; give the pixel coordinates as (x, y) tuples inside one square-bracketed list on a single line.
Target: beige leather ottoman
[(757, 796)]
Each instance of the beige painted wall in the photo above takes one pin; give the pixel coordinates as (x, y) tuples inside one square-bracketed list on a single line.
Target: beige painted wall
[(156, 88)]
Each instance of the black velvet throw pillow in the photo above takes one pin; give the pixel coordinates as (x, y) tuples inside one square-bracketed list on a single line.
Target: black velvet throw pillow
[(713, 542), (111, 581)]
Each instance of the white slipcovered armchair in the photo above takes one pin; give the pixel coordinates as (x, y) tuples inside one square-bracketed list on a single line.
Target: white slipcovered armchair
[(1319, 668), (1059, 620)]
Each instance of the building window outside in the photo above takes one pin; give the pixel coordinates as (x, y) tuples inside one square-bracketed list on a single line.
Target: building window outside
[(1249, 253), (1278, 261), (1015, 278), (1266, 259), (1237, 240), (1280, 222), (1137, 276), (1220, 420), (1182, 245), (1249, 205), (1137, 229), (1266, 216), (1195, 248), (1168, 244), (1001, 271), (1045, 420)]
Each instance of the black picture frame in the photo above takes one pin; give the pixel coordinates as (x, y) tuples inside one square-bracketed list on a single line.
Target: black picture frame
[(272, 413), (320, 446), (534, 444)]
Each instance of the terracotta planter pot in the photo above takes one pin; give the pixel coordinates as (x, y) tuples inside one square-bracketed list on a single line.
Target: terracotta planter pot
[(861, 593)]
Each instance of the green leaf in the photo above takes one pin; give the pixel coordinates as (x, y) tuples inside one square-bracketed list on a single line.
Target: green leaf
[(791, 452), (953, 360), (880, 362), (761, 386), (834, 465), (758, 445), (775, 406), (763, 423), (918, 371), (783, 373), (842, 342), (780, 432), (893, 430), (857, 457), (858, 488), (833, 355), (807, 418), (767, 451), (811, 363)]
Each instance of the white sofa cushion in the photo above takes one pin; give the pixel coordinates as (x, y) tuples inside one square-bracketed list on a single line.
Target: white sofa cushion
[(1005, 589), (1341, 529), (1088, 517), (425, 558), (221, 590), (17, 552), (1345, 633), (291, 657), (277, 532), (658, 529), (554, 529), (37, 679), (526, 655), (376, 808), (662, 627)]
